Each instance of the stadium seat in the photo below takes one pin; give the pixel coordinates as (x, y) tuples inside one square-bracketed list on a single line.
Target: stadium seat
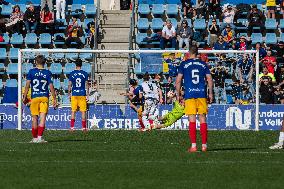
[(270, 24), (31, 39), (143, 10), (56, 83), (65, 84), (87, 67), (6, 39), (7, 10), (242, 21), (270, 38), (158, 10), (23, 7), (64, 24), (71, 55), (281, 37), (1, 84), (142, 24), (69, 67), (157, 24), (172, 10), (140, 37), (174, 23), (12, 68), (256, 37), (86, 21), (3, 53), (76, 9), (90, 10), (242, 34), (86, 56), (281, 24), (44, 39), (199, 24), (56, 68), (16, 39), (2, 68), (65, 100), (26, 67), (57, 43), (11, 83), (13, 54)]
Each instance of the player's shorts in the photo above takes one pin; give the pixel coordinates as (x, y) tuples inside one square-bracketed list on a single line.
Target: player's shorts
[(78, 102), (39, 105), (195, 106)]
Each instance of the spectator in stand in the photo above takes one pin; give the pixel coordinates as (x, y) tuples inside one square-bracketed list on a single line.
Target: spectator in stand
[(168, 35), (255, 19), (266, 74), (282, 7), (221, 44), (184, 34), (228, 17), (214, 31), (236, 90), (2, 23), (266, 91), (73, 34), (269, 61), (60, 9), (262, 51), (15, 23), (48, 3), (219, 74), (271, 8), (279, 49), (241, 45), (246, 96), (200, 9), (188, 11), (245, 66), (214, 9), (31, 18), (91, 31), (46, 20), (228, 34)]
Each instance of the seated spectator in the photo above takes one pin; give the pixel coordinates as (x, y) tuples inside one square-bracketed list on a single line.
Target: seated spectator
[(214, 31), (73, 34), (245, 66), (60, 9), (246, 96), (228, 17), (47, 20), (200, 9), (219, 74), (279, 49), (271, 8), (266, 74), (240, 45), (266, 91), (188, 11), (168, 35), (255, 19), (269, 61), (31, 19), (91, 31), (214, 9), (15, 23), (228, 34), (184, 35), (262, 51), (2, 23), (221, 44)]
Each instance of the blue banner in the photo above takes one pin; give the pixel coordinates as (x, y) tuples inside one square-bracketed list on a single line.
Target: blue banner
[(220, 117)]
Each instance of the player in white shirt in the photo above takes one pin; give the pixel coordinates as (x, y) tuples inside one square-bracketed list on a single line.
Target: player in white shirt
[(152, 95)]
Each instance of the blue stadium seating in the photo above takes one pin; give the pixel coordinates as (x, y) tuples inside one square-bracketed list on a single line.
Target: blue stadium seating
[(3, 53), (281, 37), (242, 34), (158, 10), (44, 39), (64, 26), (143, 24), (143, 10), (31, 39), (91, 10), (270, 38), (1, 84), (56, 83), (13, 54), (243, 21), (75, 7), (65, 100), (174, 22), (23, 7), (87, 67), (140, 37), (157, 24), (86, 56), (199, 24), (56, 68), (7, 10), (2, 68), (270, 24), (69, 67), (26, 67), (12, 68), (86, 21), (57, 43), (71, 55), (17, 39), (6, 39), (172, 10), (256, 37), (65, 84), (11, 83), (281, 24)]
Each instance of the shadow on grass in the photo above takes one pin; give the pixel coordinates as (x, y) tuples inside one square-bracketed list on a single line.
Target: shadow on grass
[(231, 149)]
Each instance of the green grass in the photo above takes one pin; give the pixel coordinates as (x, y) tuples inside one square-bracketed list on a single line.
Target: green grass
[(129, 159)]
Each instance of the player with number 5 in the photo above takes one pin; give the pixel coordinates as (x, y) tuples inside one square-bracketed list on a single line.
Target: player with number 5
[(78, 83), (195, 73), (39, 79)]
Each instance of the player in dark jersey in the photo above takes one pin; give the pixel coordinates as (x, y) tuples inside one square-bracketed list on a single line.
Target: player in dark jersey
[(39, 79), (195, 73), (78, 92)]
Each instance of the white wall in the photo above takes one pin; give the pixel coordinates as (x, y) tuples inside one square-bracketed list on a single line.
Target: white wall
[(106, 4)]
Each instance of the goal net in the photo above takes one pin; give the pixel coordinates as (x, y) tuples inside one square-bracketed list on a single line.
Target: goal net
[(235, 76)]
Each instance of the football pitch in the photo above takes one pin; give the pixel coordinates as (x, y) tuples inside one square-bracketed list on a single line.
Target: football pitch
[(129, 159)]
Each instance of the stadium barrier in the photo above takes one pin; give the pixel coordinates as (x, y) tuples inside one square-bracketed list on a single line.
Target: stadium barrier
[(220, 117)]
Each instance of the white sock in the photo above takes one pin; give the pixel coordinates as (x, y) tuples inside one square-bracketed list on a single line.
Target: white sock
[(204, 145), (193, 145), (39, 137), (281, 137)]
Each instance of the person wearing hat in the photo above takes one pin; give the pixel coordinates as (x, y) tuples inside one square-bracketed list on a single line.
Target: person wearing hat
[(241, 45), (255, 19), (168, 35), (214, 31), (228, 34), (184, 34), (228, 17)]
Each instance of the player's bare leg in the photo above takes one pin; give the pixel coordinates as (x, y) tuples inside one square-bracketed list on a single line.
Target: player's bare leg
[(72, 120), (279, 145), (84, 125), (41, 127), (34, 128), (192, 133), (203, 131)]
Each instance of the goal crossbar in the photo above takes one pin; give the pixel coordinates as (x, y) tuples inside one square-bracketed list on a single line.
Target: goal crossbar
[(21, 51)]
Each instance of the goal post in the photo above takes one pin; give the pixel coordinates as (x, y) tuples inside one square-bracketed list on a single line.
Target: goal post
[(22, 52)]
